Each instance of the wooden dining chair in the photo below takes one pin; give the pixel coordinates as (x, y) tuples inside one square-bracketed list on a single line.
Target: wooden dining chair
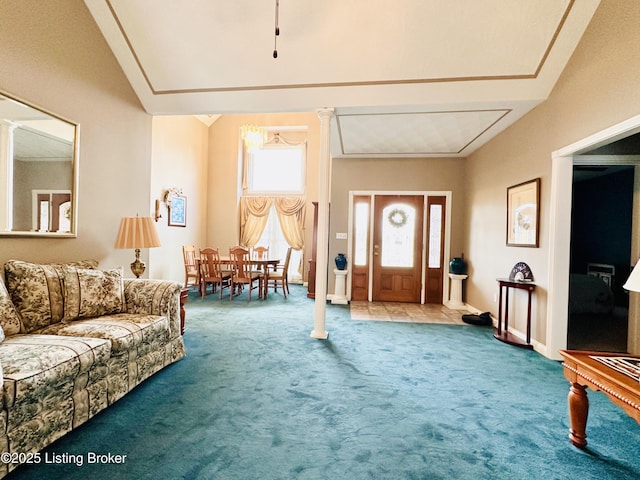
[(242, 274), (259, 253), (212, 272), (280, 274), (191, 267)]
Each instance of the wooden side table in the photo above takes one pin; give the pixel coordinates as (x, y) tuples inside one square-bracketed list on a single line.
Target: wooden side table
[(184, 295), (503, 334)]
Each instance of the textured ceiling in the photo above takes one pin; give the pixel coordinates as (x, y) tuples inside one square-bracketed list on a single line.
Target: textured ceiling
[(405, 78)]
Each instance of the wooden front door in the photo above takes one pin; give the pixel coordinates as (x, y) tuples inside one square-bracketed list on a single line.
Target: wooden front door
[(397, 248)]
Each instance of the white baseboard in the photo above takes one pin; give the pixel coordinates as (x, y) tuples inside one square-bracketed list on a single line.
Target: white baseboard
[(541, 348)]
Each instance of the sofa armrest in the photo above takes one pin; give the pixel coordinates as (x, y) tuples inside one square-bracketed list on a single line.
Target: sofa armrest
[(155, 297)]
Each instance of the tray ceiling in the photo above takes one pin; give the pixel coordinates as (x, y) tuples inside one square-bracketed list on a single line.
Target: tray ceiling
[(406, 78)]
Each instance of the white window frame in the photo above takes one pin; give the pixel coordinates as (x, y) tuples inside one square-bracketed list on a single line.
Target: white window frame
[(277, 193)]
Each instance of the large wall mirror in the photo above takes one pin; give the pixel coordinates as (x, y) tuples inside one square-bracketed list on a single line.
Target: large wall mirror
[(38, 171)]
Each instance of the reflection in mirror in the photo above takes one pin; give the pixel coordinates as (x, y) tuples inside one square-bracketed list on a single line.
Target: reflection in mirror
[(38, 171)]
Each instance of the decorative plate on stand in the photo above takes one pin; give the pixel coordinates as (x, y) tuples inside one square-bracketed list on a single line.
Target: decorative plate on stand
[(521, 273)]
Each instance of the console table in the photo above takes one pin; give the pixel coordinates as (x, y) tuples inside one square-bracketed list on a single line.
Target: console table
[(583, 371), (503, 334)]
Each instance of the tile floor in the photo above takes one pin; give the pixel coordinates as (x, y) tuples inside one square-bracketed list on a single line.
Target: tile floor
[(405, 312)]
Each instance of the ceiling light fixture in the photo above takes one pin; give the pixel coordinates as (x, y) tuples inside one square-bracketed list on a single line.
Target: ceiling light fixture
[(277, 31), (253, 137)]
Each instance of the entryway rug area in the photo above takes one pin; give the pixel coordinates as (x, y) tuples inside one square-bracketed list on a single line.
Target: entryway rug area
[(257, 398), (405, 312)]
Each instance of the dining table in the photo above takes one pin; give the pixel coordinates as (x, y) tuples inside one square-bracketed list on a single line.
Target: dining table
[(265, 264)]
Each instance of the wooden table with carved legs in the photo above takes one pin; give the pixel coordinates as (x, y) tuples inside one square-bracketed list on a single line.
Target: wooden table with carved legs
[(584, 371)]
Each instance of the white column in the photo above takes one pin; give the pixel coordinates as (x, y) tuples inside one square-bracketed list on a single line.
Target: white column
[(340, 295), (455, 301), (322, 255), (6, 175)]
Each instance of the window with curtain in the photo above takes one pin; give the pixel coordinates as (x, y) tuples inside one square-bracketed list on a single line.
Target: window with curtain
[(273, 237), (274, 183), (276, 169)]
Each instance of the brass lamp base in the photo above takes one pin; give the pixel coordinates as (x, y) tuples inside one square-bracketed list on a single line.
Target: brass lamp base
[(138, 267)]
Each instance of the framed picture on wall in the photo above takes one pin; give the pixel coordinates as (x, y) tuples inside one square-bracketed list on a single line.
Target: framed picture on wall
[(178, 211), (523, 214)]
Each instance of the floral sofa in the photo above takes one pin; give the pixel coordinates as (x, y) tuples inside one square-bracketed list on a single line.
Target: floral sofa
[(73, 340)]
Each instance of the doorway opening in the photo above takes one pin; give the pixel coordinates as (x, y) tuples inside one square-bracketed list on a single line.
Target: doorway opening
[(601, 219), (560, 233), (398, 244)]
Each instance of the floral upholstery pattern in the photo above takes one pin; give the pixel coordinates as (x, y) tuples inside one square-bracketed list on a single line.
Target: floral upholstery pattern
[(157, 297), (44, 366), (36, 291), (9, 318), (91, 293), (77, 340), (125, 331)]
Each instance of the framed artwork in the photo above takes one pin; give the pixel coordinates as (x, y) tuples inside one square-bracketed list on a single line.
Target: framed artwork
[(178, 211), (523, 214)]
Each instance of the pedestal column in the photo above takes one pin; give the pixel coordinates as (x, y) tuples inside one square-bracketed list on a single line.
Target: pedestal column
[(322, 255), (455, 296), (340, 296)]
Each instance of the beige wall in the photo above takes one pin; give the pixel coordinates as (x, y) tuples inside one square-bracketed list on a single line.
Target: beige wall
[(36, 175), (54, 56), (179, 160), (599, 88), (224, 183)]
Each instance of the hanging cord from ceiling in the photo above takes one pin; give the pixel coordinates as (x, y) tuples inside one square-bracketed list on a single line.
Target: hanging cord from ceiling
[(276, 32)]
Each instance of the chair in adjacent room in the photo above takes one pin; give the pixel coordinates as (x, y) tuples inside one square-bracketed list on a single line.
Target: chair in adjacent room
[(259, 253), (242, 273), (280, 275), (191, 267), (212, 272)]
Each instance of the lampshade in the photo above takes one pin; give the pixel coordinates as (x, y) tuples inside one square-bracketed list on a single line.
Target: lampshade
[(633, 282), (137, 232)]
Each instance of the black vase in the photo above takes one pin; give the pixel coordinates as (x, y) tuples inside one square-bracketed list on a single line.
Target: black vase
[(457, 266), (341, 261)]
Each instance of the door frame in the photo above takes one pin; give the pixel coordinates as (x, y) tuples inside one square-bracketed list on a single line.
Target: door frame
[(562, 162), (447, 236)]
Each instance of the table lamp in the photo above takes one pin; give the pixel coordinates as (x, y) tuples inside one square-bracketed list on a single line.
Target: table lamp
[(633, 282), (137, 233)]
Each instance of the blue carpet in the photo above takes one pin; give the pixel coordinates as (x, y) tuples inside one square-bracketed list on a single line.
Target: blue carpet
[(257, 398)]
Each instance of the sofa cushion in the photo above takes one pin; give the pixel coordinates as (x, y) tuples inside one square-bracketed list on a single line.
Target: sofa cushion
[(37, 366), (9, 318), (36, 291), (92, 293), (126, 331)]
